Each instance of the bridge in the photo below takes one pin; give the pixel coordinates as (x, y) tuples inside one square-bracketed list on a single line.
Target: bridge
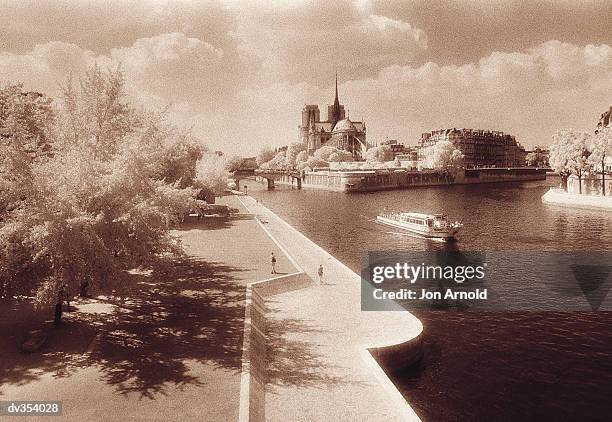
[(242, 173), (271, 175)]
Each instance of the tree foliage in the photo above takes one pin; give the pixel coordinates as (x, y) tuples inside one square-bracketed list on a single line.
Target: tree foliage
[(301, 158), (601, 149), (264, 155), (212, 173), (445, 157), (102, 201), (326, 152), (569, 154), (536, 159), (293, 151), (233, 162), (379, 154)]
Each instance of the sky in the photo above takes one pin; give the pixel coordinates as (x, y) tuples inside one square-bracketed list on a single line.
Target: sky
[(239, 72)]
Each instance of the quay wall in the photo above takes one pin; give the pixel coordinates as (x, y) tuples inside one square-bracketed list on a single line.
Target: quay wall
[(254, 356), (572, 200), (387, 179), (399, 346)]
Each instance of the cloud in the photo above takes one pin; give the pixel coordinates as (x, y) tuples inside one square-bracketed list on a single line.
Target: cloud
[(242, 83), (178, 68), (308, 43), (100, 26), (461, 31), (529, 94), (45, 65)]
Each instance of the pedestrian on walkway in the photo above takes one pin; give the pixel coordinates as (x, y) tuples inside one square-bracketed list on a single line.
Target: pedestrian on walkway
[(57, 319), (58, 306), (273, 262), (320, 272)]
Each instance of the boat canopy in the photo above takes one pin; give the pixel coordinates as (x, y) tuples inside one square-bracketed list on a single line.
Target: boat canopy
[(423, 216)]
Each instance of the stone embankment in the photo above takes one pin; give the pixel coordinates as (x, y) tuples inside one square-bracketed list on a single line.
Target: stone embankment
[(316, 361), (572, 200)]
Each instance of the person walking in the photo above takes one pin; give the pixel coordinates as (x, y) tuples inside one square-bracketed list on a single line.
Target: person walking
[(273, 262), (57, 318), (320, 272), (58, 306)]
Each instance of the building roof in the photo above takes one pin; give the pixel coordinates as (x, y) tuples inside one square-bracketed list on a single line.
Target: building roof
[(326, 126), (345, 126)]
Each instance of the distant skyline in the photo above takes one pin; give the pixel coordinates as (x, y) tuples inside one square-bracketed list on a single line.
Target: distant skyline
[(239, 73)]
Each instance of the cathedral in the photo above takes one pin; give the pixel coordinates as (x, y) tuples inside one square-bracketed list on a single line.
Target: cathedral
[(337, 131)]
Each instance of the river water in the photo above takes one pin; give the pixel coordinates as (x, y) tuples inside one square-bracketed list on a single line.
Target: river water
[(480, 366)]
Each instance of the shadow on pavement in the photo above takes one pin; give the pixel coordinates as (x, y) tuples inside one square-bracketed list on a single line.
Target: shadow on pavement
[(61, 354), (154, 330), (192, 311), (292, 361)]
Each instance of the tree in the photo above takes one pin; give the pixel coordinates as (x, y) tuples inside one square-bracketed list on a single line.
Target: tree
[(340, 157), (559, 155), (233, 163), (569, 154), (26, 119), (212, 173), (445, 157), (301, 158), (601, 148), (264, 155), (26, 122), (292, 152), (325, 152), (314, 162), (536, 159), (179, 154), (579, 161), (101, 203), (379, 154)]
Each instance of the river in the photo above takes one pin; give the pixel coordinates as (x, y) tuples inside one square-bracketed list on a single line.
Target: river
[(480, 366)]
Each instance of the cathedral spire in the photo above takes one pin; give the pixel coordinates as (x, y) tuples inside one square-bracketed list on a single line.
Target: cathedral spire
[(335, 112), (336, 101)]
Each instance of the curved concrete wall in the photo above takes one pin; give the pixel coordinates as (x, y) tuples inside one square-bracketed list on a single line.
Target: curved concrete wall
[(253, 376)]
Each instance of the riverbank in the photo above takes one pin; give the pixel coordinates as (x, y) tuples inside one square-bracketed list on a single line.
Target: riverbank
[(372, 180), (168, 348), (172, 346), (477, 366), (590, 202), (320, 365)]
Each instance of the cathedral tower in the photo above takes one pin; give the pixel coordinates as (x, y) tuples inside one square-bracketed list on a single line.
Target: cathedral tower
[(335, 112)]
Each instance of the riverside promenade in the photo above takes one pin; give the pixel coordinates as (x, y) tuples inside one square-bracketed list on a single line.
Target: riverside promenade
[(170, 347), (168, 350), (318, 364)]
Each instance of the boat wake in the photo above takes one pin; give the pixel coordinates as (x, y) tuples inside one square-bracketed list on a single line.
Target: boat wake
[(415, 236)]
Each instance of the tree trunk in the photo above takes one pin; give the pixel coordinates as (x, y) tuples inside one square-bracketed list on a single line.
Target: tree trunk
[(603, 175), (579, 185)]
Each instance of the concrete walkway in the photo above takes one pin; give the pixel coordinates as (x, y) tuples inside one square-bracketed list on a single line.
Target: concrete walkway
[(319, 368), (176, 355)]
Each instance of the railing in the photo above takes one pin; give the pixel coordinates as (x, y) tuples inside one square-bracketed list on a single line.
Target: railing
[(293, 173)]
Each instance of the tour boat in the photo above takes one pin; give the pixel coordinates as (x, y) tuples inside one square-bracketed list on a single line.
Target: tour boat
[(431, 226)]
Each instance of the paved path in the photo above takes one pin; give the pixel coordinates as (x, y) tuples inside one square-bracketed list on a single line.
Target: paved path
[(181, 360), (319, 367)]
